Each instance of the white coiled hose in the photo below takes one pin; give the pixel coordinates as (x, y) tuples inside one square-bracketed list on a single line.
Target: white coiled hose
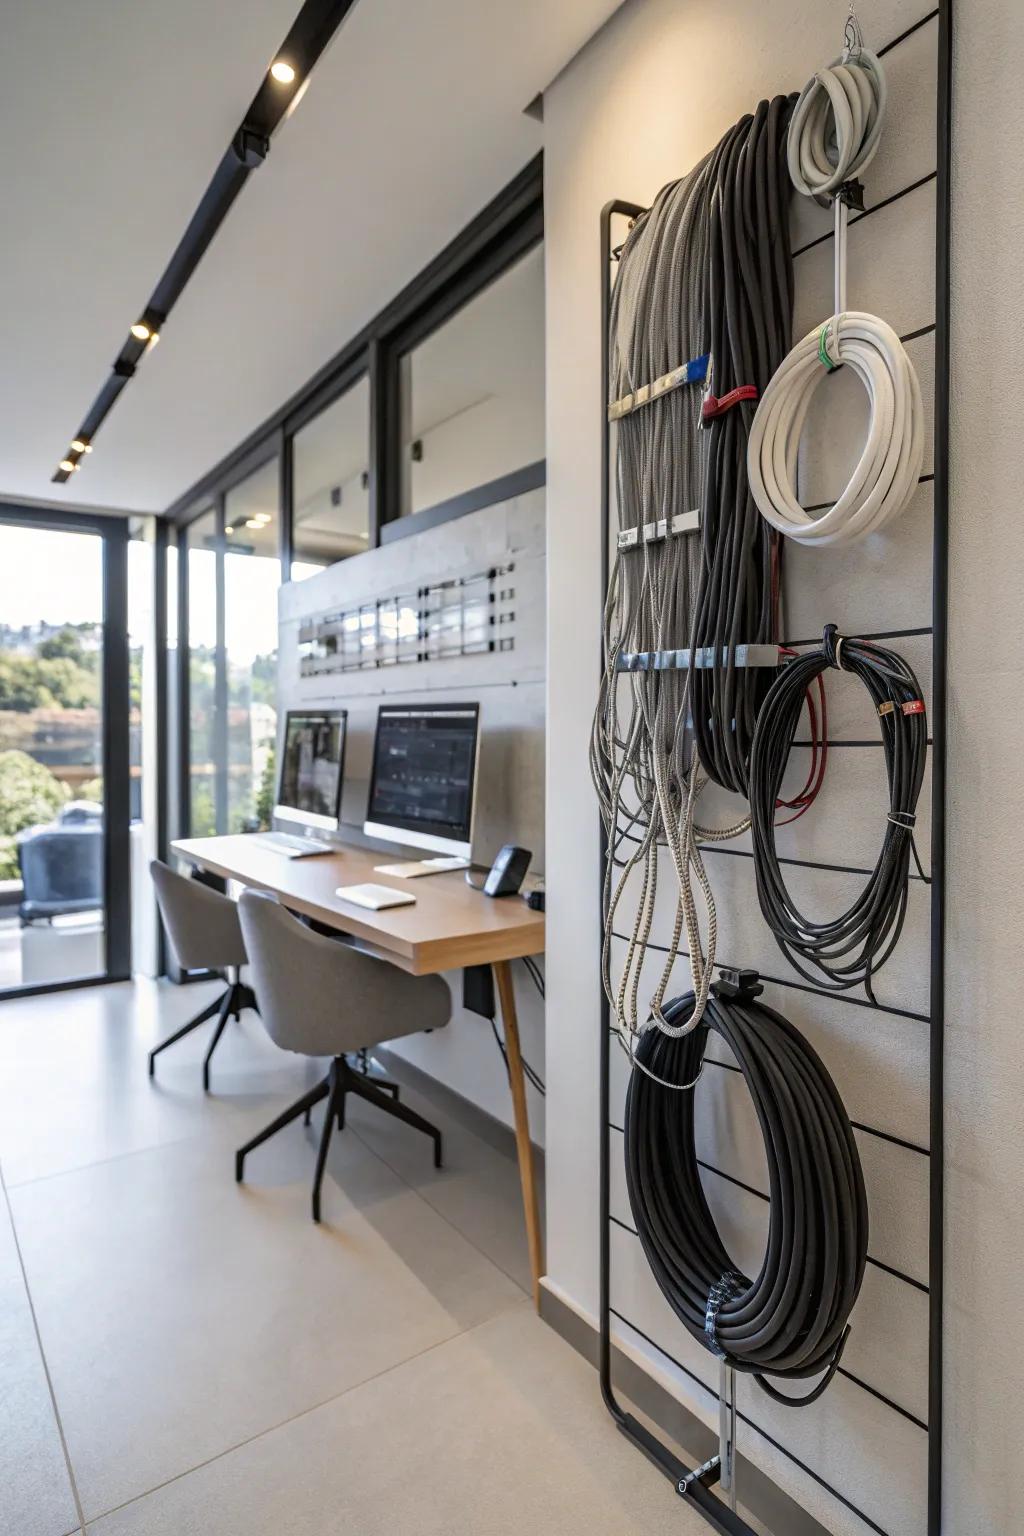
[(837, 123), (889, 467)]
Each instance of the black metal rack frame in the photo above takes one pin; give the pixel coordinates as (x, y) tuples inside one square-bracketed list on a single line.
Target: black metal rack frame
[(718, 1513)]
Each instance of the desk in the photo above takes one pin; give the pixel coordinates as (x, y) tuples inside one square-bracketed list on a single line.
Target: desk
[(450, 926)]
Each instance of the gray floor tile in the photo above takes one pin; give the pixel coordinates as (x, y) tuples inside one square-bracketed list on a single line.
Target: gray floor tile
[(477, 1190), (499, 1432), (77, 1090), (35, 1491), (182, 1314)]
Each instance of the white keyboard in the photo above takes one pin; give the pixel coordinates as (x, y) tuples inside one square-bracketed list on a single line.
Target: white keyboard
[(416, 867), (292, 847)]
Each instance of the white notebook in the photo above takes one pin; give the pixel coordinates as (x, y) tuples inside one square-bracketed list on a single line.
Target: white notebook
[(374, 896)]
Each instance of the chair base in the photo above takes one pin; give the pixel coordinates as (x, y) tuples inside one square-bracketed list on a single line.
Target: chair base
[(340, 1081), (229, 1005)]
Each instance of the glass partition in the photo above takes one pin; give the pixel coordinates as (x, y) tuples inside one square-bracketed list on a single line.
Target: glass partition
[(52, 793), (331, 484), (252, 575), (472, 393)]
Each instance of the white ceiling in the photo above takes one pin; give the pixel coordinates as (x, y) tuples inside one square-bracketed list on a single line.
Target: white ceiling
[(113, 117)]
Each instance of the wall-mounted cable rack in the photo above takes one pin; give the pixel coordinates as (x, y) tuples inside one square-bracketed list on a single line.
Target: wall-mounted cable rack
[(698, 1484)]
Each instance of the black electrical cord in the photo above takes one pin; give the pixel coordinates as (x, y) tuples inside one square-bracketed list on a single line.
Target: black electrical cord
[(535, 973), (852, 947), (530, 1073), (747, 316), (792, 1319)]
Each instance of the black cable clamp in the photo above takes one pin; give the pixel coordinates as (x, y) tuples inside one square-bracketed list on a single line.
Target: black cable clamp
[(852, 194), (737, 986), (731, 1284)]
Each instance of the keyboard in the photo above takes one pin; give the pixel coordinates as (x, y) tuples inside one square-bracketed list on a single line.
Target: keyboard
[(416, 867), (290, 846)]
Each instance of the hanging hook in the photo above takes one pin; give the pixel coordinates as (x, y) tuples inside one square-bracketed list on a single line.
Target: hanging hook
[(852, 35)]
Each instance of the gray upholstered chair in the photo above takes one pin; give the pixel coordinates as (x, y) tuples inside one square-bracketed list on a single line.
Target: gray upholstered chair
[(204, 932), (322, 998)]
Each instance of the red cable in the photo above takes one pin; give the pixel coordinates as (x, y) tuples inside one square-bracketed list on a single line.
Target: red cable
[(819, 754)]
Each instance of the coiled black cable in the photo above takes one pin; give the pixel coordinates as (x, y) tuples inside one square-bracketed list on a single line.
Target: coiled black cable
[(852, 947), (747, 317), (791, 1320)]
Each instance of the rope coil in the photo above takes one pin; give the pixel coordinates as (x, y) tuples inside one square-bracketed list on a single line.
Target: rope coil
[(887, 473), (850, 949), (792, 1319), (836, 125)]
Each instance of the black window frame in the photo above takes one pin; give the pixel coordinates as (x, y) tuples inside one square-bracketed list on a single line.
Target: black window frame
[(510, 226)]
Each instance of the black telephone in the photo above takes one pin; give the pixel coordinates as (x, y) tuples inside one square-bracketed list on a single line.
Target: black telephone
[(508, 871)]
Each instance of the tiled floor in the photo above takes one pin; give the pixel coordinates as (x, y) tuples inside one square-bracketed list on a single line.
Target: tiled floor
[(182, 1355)]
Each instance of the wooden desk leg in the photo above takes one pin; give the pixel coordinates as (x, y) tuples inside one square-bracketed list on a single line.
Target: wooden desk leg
[(517, 1082)]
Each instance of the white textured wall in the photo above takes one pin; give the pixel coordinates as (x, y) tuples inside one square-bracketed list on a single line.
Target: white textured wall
[(650, 94), (509, 686), (984, 1071)]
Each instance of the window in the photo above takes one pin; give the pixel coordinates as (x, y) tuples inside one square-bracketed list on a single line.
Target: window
[(64, 874), (252, 575), (331, 479), (201, 555), (472, 393)]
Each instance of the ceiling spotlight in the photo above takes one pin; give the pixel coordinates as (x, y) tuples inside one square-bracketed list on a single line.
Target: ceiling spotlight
[(154, 337), (79, 445), (141, 331), (67, 466), (282, 72), (251, 522)]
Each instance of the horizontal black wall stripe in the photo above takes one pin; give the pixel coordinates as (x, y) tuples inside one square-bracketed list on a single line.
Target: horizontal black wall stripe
[(750, 1423), (799, 986), (858, 218)]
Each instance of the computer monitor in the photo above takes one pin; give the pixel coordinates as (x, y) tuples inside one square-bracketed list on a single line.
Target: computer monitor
[(423, 784), (312, 762)]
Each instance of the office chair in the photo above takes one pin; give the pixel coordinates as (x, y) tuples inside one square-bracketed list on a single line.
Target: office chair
[(204, 932), (321, 998)]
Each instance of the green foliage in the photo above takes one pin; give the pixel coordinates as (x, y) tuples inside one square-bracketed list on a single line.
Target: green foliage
[(8, 859), (92, 789), (66, 645), (266, 794), (51, 681), (29, 793), (202, 815), (264, 679)]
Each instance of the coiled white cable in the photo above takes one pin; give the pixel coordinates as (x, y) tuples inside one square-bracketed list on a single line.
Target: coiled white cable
[(887, 472), (837, 123)]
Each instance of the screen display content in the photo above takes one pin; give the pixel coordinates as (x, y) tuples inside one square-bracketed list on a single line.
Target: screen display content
[(424, 768), (312, 764)]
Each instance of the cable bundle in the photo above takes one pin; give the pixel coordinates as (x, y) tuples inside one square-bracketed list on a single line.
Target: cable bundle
[(887, 472), (791, 1320), (833, 134), (748, 317), (707, 269), (851, 948), (837, 122)]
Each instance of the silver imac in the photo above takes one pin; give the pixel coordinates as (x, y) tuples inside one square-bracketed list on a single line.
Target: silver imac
[(312, 764), (423, 783)]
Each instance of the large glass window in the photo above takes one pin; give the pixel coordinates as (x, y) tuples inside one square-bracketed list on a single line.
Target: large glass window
[(203, 753), (252, 575), (472, 393), (52, 796), (331, 484)]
